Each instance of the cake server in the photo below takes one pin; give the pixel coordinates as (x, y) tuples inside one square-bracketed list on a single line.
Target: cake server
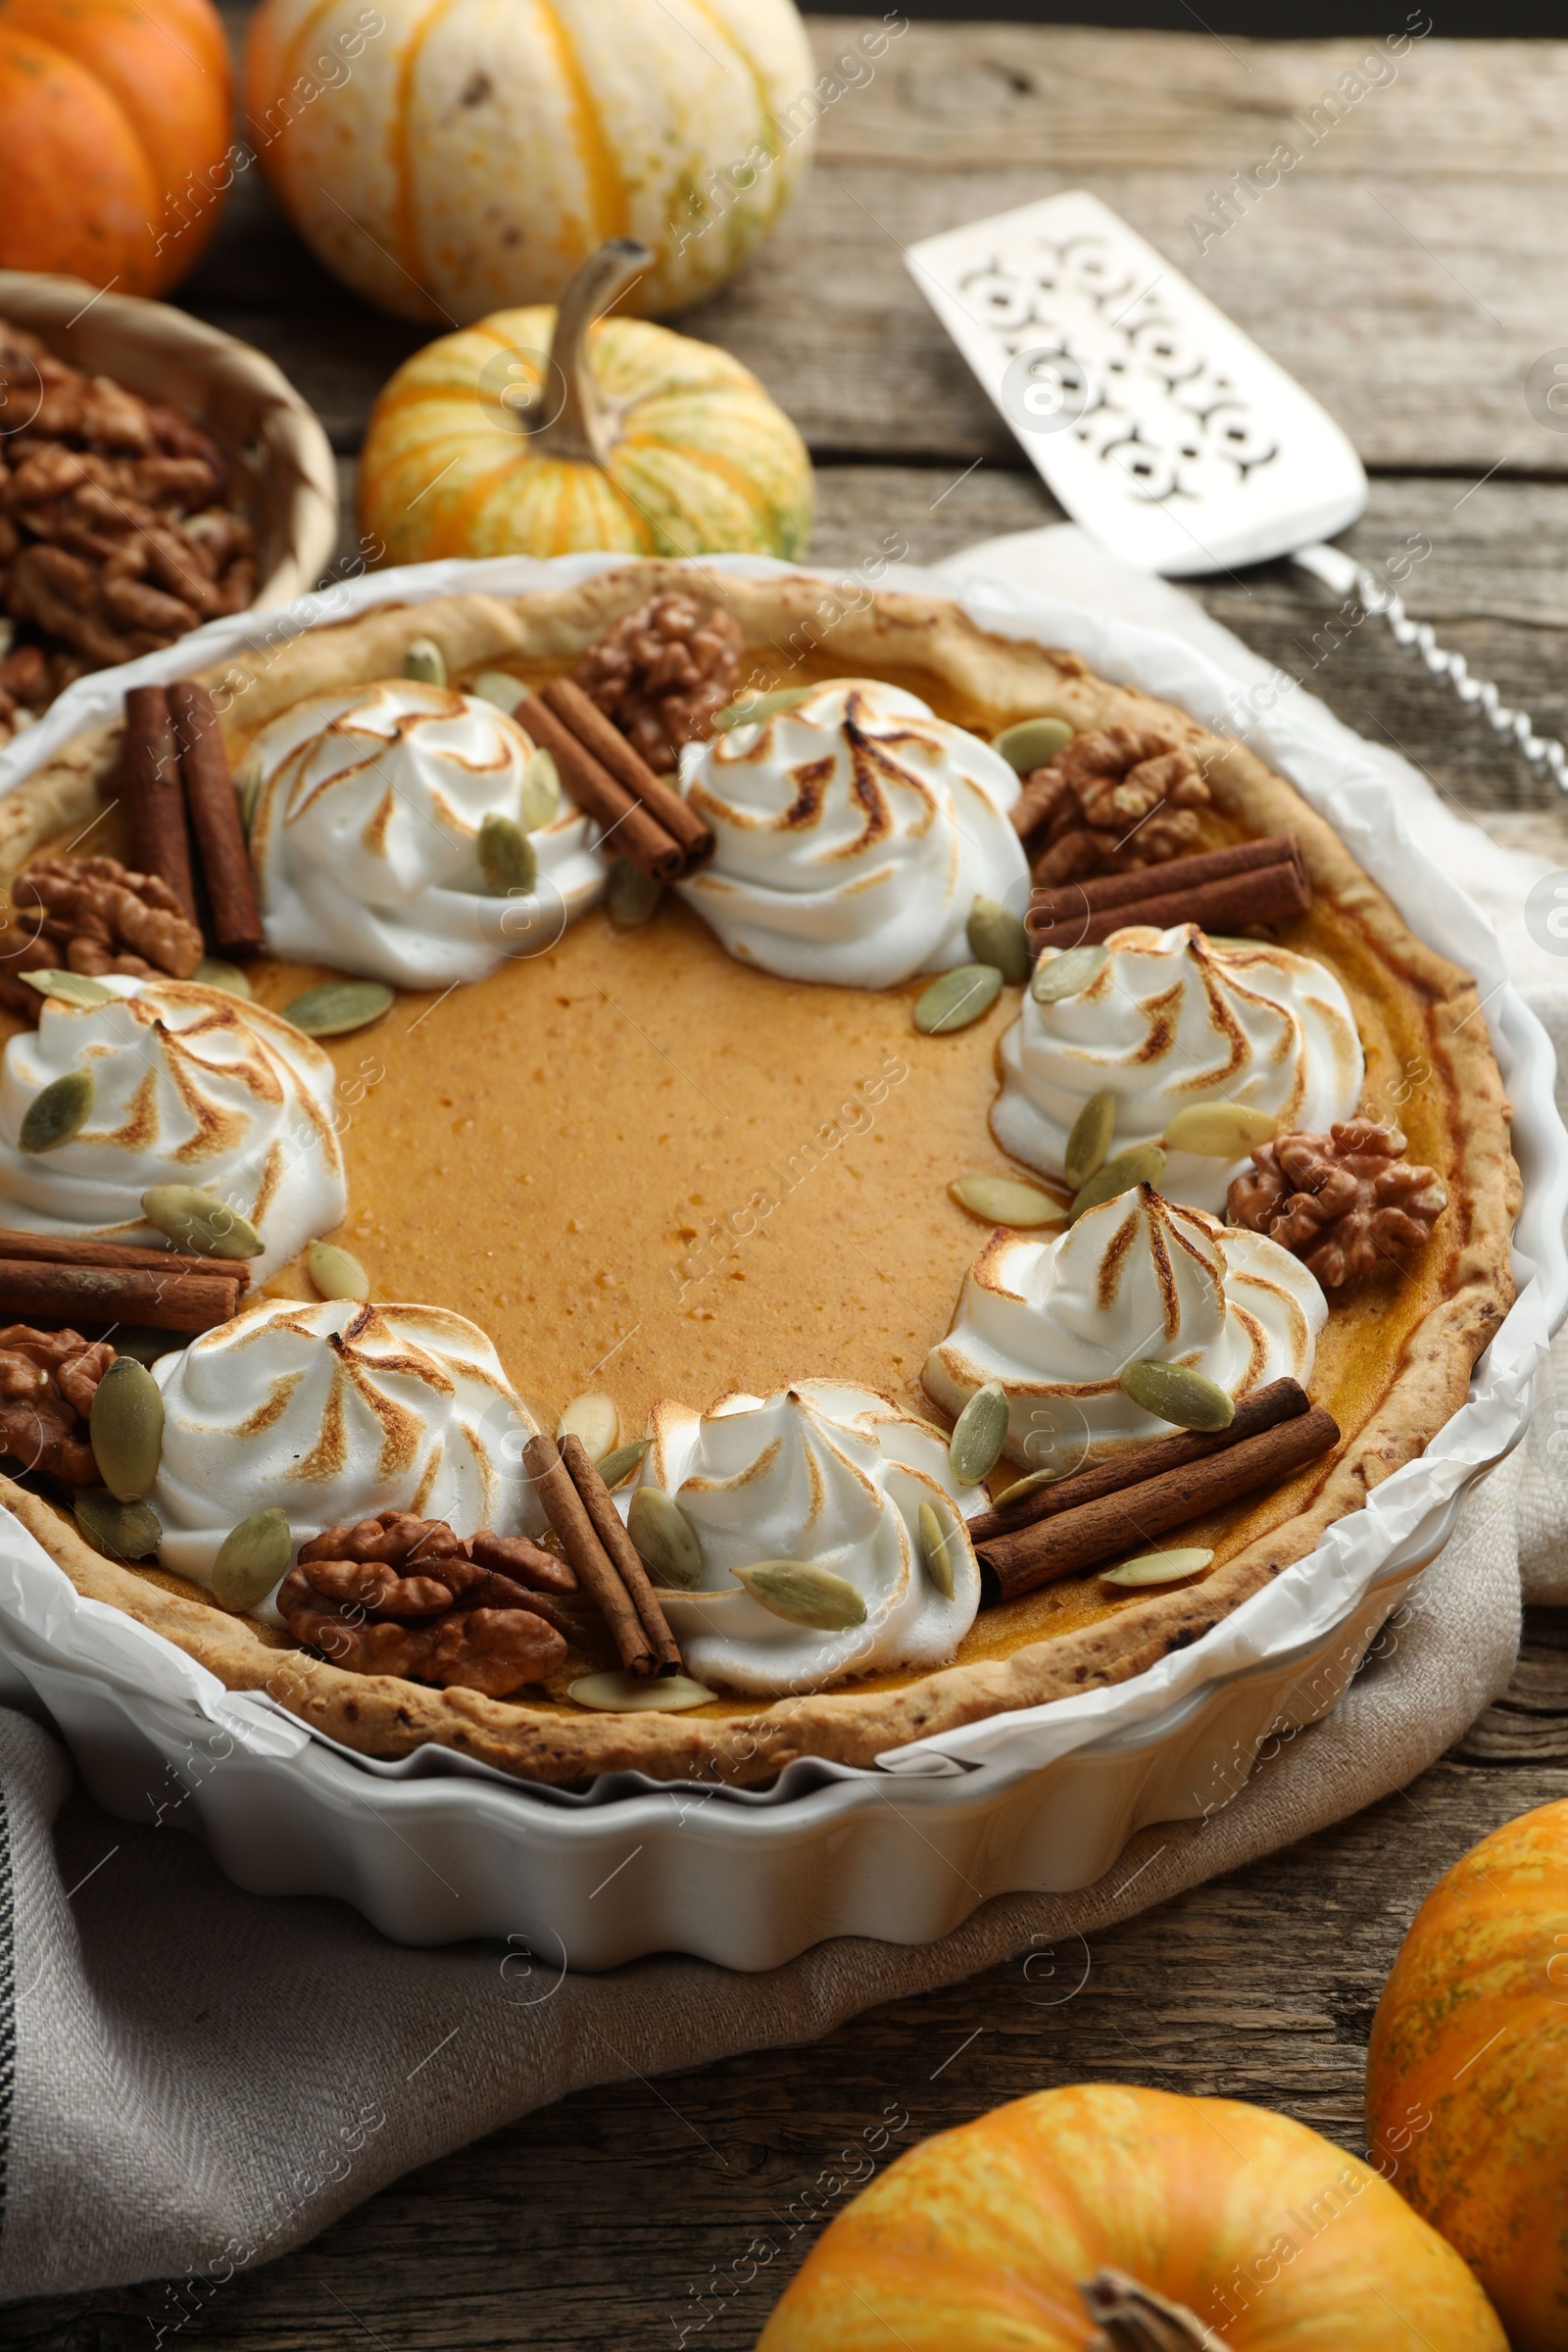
[(1160, 427)]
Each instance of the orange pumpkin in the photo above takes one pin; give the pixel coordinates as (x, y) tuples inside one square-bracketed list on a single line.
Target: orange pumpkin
[(114, 137), (1467, 2078), (1118, 2218)]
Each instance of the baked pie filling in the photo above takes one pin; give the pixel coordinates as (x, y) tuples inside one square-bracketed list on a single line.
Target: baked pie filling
[(657, 1263)]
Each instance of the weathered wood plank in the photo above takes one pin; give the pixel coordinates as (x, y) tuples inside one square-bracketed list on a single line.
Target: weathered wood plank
[(1411, 310), (1067, 98), (628, 2213)]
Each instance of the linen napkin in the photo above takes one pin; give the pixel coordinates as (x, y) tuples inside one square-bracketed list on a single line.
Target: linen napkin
[(194, 2079)]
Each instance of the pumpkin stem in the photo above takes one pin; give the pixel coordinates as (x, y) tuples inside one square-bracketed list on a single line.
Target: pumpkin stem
[(1134, 2318), (583, 430)]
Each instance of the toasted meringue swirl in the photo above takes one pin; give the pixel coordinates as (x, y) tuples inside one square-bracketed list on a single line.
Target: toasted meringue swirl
[(821, 1473), (366, 830), (1135, 1279), (334, 1412), (1175, 1018), (192, 1086), (854, 833)]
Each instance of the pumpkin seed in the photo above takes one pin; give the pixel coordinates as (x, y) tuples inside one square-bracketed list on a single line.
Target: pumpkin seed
[(752, 708), (507, 858), (59, 1112), (69, 988), (1033, 742), (939, 1546), (1219, 1130), (631, 897), (249, 777), (630, 1694), (126, 1427), (125, 1530), (1005, 1201), (1026, 1486), (1067, 974), (1178, 1394), (958, 999), (336, 1272), (1159, 1567), (252, 1558), (617, 1467), (595, 1420), (1090, 1140), (665, 1539), (804, 1594), (979, 1434), (1144, 1163), (424, 661), (499, 687), (214, 972), (201, 1222), (339, 1005), (539, 802), (996, 936)]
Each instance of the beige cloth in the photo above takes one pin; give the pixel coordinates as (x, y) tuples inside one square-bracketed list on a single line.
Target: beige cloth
[(203, 2079)]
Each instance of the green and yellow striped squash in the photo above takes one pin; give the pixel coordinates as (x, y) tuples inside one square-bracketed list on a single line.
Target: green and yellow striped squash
[(519, 436)]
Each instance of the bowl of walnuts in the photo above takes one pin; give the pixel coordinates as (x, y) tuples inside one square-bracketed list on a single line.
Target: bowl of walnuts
[(155, 475)]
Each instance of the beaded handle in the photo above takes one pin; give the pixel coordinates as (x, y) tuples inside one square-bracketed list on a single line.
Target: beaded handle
[(1338, 571)]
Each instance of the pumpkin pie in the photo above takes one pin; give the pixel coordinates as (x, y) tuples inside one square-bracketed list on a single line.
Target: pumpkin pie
[(678, 1176)]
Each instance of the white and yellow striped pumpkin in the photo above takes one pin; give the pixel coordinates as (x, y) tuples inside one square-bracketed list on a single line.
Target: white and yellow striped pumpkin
[(522, 436), (452, 159)]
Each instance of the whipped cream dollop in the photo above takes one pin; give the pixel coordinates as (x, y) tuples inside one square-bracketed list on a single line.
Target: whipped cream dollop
[(821, 1473), (366, 836), (334, 1412), (190, 1086), (1175, 1018), (854, 833), (1135, 1279)]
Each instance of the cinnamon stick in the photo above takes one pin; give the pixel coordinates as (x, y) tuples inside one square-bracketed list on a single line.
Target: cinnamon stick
[(1281, 1401), (81, 1249), (1265, 891), (595, 1571), (35, 1291), (154, 802), (1152, 881), (611, 748), (623, 1554), (633, 830), (1133, 1516), (213, 809)]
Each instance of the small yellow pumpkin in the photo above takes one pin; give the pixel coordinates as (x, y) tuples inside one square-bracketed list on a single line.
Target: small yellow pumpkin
[(1122, 2219), (1467, 2075), (529, 434), (448, 161)]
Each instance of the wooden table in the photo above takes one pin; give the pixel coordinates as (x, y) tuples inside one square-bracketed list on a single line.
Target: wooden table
[(1408, 273)]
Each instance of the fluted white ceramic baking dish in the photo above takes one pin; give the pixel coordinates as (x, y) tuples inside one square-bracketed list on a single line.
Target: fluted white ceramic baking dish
[(436, 1848)]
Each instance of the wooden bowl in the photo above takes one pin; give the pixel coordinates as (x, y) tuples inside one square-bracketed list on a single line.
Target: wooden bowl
[(285, 480)]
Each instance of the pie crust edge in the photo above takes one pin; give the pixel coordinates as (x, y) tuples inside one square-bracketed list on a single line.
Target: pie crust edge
[(385, 1716)]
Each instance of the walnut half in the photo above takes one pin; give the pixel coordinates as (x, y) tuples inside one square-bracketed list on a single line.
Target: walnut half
[(663, 672), (92, 915), (399, 1594), (1110, 802), (48, 1380), (1342, 1202)]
